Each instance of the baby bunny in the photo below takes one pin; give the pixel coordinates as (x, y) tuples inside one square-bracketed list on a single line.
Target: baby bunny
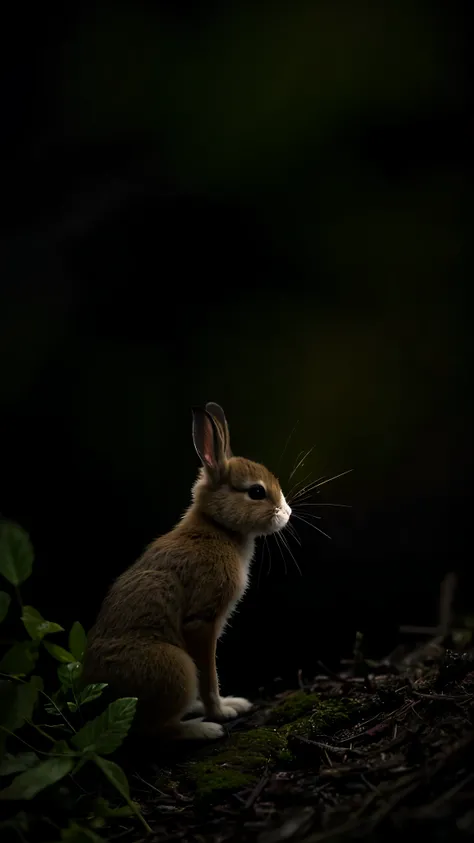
[(155, 635)]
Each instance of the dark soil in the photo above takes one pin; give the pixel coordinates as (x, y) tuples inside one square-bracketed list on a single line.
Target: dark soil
[(393, 754)]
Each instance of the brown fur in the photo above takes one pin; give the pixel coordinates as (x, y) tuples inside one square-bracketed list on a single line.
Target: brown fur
[(155, 636)]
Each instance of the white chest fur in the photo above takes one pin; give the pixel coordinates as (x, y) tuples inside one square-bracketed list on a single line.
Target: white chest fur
[(246, 559)]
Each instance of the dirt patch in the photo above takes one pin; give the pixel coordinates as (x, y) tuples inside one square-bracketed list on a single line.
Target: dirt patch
[(374, 750)]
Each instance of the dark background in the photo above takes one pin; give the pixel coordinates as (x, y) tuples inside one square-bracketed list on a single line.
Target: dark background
[(267, 208)]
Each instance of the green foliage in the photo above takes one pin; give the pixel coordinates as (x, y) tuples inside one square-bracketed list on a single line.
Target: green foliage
[(17, 763), (59, 653), (20, 659), (26, 699), (77, 641), (78, 834), (5, 601), (69, 674), (106, 732), (117, 777), (18, 823), (56, 703), (88, 694), (61, 748), (102, 809), (35, 624), (24, 704), (17, 702), (16, 553), (32, 781)]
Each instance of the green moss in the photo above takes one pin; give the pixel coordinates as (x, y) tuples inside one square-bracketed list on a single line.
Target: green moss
[(236, 765), (293, 707), (325, 715), (239, 762), (306, 714), (211, 781)]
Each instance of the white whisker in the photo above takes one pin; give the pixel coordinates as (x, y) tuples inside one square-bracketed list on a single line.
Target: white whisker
[(294, 535), (300, 518), (294, 488), (320, 482), (288, 548), (308, 487), (303, 458), (281, 552), (287, 442), (269, 556)]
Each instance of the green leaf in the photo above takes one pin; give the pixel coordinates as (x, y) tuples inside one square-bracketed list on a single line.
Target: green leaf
[(55, 702), (99, 822), (35, 624), (27, 696), (31, 782), (17, 823), (91, 692), (17, 763), (117, 777), (5, 601), (62, 748), (69, 674), (53, 712), (106, 732), (58, 652), (102, 808), (8, 700), (77, 641), (55, 705), (16, 553), (20, 659), (17, 702), (77, 834), (88, 694)]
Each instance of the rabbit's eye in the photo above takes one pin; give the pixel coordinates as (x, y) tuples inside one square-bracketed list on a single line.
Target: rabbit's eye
[(256, 492)]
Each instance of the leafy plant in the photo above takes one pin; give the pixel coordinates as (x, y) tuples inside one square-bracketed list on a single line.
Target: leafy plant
[(25, 705)]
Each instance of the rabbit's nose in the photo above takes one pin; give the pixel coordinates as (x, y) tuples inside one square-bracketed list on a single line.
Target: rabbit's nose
[(284, 506)]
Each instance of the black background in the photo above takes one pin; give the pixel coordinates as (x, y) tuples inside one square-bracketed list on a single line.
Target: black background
[(265, 208)]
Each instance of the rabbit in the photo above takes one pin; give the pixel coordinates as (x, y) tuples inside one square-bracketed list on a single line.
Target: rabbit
[(156, 633)]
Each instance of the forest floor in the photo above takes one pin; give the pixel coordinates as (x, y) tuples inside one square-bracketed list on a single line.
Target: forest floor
[(374, 750)]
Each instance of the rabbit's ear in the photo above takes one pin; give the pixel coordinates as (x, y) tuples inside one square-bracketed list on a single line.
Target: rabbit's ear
[(218, 414), (208, 441)]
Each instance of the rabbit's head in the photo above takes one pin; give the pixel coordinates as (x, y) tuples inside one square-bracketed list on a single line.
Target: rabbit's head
[(237, 493)]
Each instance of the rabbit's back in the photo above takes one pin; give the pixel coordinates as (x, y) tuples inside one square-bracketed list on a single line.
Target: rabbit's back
[(145, 597)]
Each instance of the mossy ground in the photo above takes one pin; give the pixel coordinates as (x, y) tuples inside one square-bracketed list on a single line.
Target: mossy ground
[(239, 762), (282, 767), (311, 716)]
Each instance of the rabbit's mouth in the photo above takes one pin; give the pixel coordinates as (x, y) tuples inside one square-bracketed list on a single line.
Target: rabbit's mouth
[(281, 516)]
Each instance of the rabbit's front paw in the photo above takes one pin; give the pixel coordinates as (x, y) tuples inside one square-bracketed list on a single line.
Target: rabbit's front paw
[(240, 704), (222, 712), (196, 730), (228, 708)]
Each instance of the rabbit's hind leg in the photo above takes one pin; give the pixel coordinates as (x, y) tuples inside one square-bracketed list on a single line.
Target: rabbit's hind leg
[(173, 694)]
